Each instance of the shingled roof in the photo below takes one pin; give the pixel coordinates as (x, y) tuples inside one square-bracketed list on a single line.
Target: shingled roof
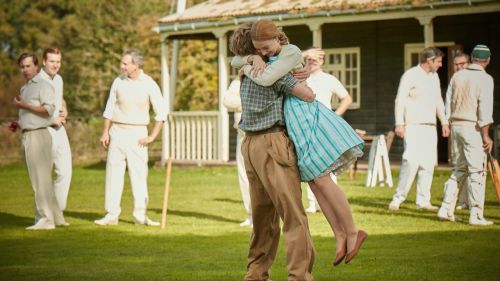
[(214, 10)]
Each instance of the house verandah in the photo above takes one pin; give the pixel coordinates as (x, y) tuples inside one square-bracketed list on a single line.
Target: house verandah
[(368, 48)]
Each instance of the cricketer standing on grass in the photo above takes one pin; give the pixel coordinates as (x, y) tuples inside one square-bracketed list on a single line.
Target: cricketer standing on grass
[(36, 104), (232, 101), (417, 103), (460, 62), (125, 135), (61, 151), (471, 116)]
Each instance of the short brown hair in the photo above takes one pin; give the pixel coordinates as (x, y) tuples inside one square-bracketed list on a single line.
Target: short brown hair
[(461, 54), (47, 51), (241, 41), (430, 53), (27, 55)]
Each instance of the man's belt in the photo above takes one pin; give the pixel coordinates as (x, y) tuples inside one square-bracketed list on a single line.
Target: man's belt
[(31, 130), (273, 129)]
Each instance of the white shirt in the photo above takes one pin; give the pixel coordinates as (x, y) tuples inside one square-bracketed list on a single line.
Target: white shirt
[(129, 101), (57, 83), (232, 101), (324, 85), (419, 98), (471, 97)]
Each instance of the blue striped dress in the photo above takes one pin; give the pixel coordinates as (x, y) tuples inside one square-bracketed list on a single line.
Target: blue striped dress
[(324, 141)]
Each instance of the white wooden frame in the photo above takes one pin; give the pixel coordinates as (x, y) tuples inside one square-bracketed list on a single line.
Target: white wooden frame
[(412, 49), (345, 64)]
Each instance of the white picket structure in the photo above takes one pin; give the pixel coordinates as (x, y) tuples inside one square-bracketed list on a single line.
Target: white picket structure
[(379, 169), (193, 135)]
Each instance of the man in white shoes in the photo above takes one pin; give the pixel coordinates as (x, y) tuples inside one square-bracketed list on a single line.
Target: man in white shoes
[(471, 116), (417, 103), (61, 151), (232, 101), (36, 104), (325, 86), (125, 135), (460, 62)]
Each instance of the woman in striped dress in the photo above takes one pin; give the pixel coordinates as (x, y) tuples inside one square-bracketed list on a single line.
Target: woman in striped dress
[(324, 142)]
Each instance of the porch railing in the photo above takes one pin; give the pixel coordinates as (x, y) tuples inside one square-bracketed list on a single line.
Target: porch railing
[(193, 135)]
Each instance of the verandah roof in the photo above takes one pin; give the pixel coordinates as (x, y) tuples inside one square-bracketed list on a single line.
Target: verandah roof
[(216, 10)]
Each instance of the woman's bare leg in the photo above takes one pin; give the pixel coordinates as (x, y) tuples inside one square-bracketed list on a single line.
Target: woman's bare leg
[(333, 220), (336, 199)]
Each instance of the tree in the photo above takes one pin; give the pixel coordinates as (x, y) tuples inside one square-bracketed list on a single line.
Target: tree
[(92, 35), (197, 79)]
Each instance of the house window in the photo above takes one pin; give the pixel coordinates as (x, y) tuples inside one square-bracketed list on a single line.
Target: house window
[(345, 64), (412, 52)]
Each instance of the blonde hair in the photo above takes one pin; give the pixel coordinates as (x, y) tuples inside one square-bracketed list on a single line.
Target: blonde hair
[(241, 41), (265, 29)]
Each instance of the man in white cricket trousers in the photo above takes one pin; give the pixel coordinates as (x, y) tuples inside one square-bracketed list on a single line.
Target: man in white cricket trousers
[(471, 115), (324, 85), (36, 106), (417, 103), (232, 101), (125, 135), (61, 151), (460, 62)]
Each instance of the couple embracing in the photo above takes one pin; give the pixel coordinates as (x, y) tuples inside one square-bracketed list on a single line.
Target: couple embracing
[(290, 137)]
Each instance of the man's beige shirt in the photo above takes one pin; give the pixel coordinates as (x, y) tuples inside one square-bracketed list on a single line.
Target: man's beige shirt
[(37, 92), (471, 99)]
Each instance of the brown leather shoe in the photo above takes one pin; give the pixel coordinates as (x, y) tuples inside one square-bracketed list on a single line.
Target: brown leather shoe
[(359, 241), (339, 257)]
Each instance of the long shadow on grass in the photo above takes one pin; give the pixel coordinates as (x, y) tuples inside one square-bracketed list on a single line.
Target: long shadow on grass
[(408, 208), (369, 206), (196, 215), (402, 212), (7, 219), (228, 200), (368, 202), (83, 215), (88, 216), (101, 165)]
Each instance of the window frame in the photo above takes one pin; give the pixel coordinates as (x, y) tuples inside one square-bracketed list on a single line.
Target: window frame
[(340, 69), (412, 49)]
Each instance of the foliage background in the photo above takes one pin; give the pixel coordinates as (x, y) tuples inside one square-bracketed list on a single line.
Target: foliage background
[(92, 35)]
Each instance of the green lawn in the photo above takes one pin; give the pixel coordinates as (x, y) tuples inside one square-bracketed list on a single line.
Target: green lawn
[(203, 240)]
